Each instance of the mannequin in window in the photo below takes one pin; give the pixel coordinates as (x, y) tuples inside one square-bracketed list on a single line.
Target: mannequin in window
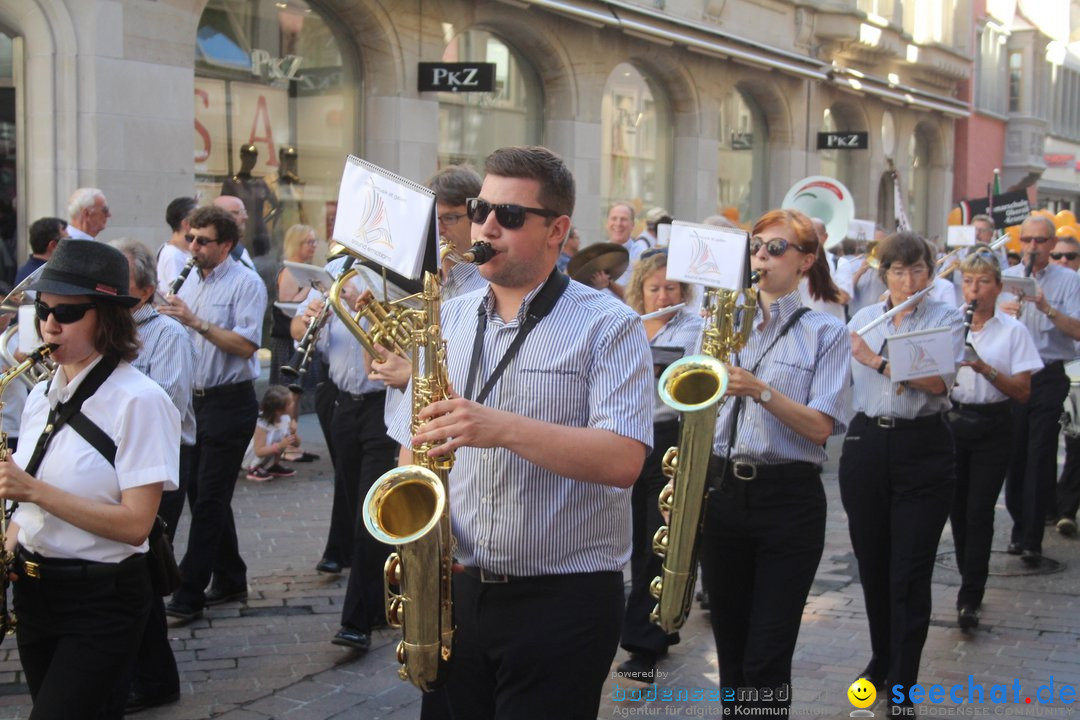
[(289, 190), (256, 196)]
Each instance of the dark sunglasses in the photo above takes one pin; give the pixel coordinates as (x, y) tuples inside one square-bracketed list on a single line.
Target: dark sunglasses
[(64, 313), (775, 247), (1070, 256), (201, 239), (1035, 239), (509, 216)]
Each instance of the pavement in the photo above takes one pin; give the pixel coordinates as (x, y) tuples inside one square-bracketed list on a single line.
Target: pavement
[(271, 656)]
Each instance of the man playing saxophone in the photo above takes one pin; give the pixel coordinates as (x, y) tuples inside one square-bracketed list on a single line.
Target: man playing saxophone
[(546, 446)]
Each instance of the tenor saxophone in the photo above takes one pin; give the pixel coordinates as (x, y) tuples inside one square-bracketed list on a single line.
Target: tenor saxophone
[(409, 507), (7, 558), (694, 386)]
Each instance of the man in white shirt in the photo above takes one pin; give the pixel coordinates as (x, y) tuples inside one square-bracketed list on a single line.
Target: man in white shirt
[(88, 213), (174, 254)]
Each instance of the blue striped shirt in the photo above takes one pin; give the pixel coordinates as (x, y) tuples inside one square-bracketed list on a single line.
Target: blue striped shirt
[(1061, 286), (462, 278), (230, 297), (168, 358), (681, 331), (875, 394), (587, 364), (808, 364)]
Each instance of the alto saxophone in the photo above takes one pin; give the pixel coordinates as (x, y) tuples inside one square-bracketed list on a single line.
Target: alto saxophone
[(694, 386), (409, 507), (7, 558)]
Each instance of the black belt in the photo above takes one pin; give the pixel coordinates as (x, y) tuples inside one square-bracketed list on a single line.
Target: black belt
[(226, 389), (747, 471), (363, 397), (891, 423), (994, 408), (32, 565), (486, 576)]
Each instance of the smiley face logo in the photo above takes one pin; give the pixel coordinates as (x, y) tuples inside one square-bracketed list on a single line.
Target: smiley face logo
[(862, 693)]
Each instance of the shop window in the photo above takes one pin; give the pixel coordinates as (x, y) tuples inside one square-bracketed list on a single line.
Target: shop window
[(836, 163), (275, 102), (741, 167), (471, 124), (918, 180), (635, 155)]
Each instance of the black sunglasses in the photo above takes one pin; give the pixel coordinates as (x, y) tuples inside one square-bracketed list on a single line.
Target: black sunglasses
[(775, 247), (1070, 256), (201, 239), (508, 215), (64, 313)]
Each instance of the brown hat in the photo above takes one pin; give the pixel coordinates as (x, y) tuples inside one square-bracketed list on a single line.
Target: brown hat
[(612, 258)]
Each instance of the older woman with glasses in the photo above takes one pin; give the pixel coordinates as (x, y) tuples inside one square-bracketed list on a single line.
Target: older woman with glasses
[(672, 335), (999, 359), (897, 468)]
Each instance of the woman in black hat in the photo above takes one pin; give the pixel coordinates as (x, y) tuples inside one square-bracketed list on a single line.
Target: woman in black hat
[(87, 489)]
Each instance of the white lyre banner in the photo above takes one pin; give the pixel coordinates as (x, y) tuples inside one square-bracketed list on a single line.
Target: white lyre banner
[(384, 217), (708, 255), (923, 353)]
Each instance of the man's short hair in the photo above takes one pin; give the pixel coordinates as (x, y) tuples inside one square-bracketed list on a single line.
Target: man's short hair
[(1069, 240), (43, 231), (178, 210), (984, 218), (142, 261), (1047, 222), (532, 162), (82, 199), (455, 184), (221, 220)]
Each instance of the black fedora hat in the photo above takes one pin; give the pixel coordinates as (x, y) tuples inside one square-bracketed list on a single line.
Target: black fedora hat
[(86, 267)]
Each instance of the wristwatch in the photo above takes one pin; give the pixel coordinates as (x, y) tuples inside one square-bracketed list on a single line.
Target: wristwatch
[(764, 396), (204, 327), (1051, 313), (992, 374), (881, 367)]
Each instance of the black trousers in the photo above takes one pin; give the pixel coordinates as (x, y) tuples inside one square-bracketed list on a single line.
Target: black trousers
[(1029, 486), (981, 463), (226, 423), (760, 549), (533, 649), (363, 453), (897, 486), (339, 537), (153, 671), (77, 637), (639, 634), (1068, 486)]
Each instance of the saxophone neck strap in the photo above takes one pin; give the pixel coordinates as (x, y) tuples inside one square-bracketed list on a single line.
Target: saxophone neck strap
[(538, 308)]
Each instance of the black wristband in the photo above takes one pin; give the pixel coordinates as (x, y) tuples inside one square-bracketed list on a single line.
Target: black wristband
[(881, 367)]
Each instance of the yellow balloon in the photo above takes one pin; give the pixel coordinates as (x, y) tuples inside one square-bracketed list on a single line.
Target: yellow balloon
[(955, 216), (1044, 212), (1064, 218), (1072, 231), (1014, 238)]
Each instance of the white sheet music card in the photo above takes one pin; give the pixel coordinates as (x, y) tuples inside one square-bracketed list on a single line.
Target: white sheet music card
[(383, 216), (708, 255), (309, 275), (1016, 285), (923, 353), (960, 236)]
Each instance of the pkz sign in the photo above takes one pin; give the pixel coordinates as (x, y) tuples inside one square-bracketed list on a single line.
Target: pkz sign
[(843, 140), (457, 77)]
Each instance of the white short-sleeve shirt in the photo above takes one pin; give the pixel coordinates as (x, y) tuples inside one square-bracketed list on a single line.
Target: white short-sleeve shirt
[(1003, 343), (145, 425)]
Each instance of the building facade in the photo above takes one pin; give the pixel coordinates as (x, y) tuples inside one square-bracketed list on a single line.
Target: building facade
[(698, 106)]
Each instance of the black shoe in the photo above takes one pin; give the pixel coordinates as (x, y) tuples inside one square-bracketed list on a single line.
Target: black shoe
[(967, 618), (352, 638), (1066, 526), (1031, 558), (870, 673), (137, 701), (216, 595), (330, 567), (640, 667), (182, 611), (1014, 548)]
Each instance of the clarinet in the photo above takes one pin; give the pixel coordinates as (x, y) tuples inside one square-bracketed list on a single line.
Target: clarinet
[(1028, 267), (179, 281)]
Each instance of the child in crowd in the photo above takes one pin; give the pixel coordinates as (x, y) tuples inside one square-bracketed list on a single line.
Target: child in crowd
[(275, 433)]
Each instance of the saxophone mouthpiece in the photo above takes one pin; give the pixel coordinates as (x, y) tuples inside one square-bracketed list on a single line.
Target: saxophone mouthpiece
[(479, 253), (756, 275)]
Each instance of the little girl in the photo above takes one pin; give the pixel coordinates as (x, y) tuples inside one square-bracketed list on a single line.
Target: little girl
[(274, 433)]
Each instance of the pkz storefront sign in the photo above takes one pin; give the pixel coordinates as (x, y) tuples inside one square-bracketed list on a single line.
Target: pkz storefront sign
[(843, 140), (456, 77)]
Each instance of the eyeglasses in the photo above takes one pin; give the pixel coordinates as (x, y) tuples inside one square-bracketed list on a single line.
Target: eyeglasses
[(912, 272), (1070, 256), (201, 239), (1034, 238), (449, 219), (508, 215), (775, 247), (65, 313)]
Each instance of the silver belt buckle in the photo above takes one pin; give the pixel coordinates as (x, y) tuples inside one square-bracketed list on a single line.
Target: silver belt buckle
[(886, 422), (490, 577), (744, 471), (198, 392)]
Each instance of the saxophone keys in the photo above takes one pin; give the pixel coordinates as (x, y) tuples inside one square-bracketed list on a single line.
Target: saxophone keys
[(392, 570), (394, 606), (660, 542), (656, 587)]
